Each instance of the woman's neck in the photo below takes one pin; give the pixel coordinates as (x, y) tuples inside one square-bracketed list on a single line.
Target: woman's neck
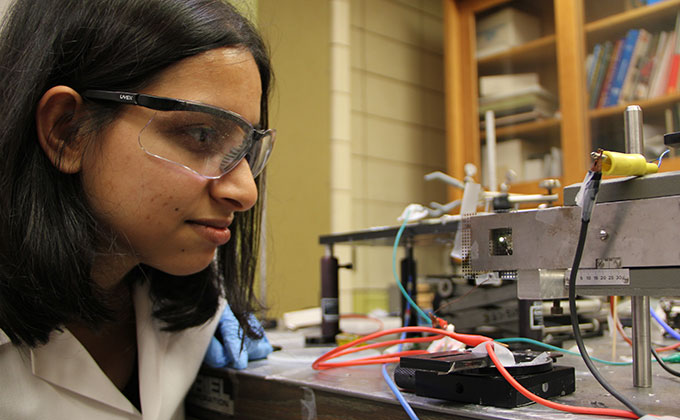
[(109, 270), (114, 345)]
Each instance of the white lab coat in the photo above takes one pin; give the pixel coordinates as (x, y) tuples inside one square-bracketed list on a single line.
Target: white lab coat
[(60, 380)]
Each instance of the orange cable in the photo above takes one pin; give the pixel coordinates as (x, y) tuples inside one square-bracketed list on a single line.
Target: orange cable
[(390, 343), (372, 360), (617, 322), (551, 404), (468, 339)]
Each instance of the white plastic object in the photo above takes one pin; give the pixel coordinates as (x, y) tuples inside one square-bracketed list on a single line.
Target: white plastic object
[(415, 212)]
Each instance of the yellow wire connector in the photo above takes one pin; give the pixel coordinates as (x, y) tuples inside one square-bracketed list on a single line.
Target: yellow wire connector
[(626, 164)]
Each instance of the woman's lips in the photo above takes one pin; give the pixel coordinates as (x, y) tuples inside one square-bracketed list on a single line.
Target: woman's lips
[(216, 232)]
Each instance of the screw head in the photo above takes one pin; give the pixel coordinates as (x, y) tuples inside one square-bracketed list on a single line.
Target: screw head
[(603, 235)]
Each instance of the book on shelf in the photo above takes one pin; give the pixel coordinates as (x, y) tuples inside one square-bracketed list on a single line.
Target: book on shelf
[(641, 65), (592, 61), (534, 91), (532, 98), (505, 29), (601, 93), (631, 4), (506, 84), (646, 66), (599, 72), (636, 60), (660, 76), (674, 65), (589, 63), (622, 67)]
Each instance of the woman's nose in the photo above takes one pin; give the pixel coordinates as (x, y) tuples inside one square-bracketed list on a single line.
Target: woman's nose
[(237, 187)]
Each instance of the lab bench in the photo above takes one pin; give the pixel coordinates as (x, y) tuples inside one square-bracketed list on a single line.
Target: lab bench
[(276, 389)]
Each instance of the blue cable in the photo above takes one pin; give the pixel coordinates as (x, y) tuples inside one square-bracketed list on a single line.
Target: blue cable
[(665, 326), (393, 386), (395, 391), (396, 275), (662, 155)]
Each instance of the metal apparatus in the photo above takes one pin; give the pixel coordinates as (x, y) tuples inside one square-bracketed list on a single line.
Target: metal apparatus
[(627, 253)]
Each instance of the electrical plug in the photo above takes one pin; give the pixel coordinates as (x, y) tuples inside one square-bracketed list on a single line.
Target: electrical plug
[(626, 164)]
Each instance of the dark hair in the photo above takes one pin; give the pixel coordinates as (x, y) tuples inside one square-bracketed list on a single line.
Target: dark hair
[(47, 231)]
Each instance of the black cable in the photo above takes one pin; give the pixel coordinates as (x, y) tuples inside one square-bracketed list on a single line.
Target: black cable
[(591, 193), (664, 365)]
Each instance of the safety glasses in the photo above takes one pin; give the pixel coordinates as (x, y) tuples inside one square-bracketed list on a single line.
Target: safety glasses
[(204, 139)]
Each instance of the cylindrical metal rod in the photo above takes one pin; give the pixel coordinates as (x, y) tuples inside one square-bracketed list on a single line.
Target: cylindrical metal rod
[(642, 340), (490, 125), (642, 364), (632, 120)]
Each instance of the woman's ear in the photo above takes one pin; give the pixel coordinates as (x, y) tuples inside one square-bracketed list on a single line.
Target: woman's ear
[(54, 117)]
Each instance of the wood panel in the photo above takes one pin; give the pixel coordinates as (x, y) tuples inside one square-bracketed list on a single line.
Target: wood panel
[(646, 105), (572, 88), (460, 84)]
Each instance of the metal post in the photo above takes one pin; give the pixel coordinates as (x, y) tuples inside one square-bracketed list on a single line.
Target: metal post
[(642, 364), (408, 281), (632, 120), (490, 121), (330, 311), (642, 340)]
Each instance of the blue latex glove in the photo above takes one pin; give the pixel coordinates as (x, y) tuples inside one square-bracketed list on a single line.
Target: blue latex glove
[(229, 352)]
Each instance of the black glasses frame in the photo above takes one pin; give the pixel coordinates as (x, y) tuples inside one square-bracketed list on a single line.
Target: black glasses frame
[(160, 103)]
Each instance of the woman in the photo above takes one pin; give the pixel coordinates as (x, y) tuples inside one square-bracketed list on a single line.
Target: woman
[(133, 137)]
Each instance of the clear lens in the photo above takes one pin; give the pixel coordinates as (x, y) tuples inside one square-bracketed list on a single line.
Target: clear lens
[(208, 144), (259, 154)]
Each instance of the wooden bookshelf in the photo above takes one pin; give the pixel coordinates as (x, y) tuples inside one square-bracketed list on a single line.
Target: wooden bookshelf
[(656, 15), (536, 51), (646, 105), (532, 128), (560, 53)]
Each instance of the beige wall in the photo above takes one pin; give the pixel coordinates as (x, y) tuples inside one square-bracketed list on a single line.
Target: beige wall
[(3, 6), (397, 105), (397, 130), (358, 104), (298, 176)]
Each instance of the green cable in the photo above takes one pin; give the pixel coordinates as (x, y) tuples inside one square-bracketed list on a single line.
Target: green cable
[(396, 275), (671, 359)]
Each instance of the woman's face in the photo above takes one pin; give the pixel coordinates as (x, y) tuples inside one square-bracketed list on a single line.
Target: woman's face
[(162, 214)]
